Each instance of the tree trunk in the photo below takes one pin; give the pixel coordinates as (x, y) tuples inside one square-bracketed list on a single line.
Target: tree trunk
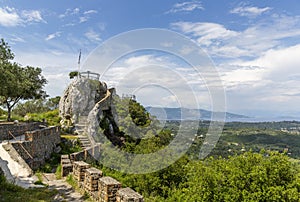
[(8, 112)]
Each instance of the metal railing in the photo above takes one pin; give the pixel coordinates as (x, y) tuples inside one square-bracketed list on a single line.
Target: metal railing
[(90, 75)]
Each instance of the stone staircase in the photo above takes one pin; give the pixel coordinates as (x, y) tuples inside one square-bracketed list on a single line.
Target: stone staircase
[(80, 128)]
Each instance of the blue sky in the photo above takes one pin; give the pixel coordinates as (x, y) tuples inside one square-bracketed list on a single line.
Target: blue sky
[(255, 45)]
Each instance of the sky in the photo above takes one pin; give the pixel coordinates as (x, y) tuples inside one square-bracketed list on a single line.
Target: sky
[(254, 45)]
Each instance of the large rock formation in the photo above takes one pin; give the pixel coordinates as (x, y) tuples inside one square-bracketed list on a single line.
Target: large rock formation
[(79, 99), (89, 99)]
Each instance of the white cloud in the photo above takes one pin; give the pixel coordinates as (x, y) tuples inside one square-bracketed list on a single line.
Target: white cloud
[(86, 15), (205, 32), (32, 16), (280, 64), (259, 65), (187, 6), (83, 15), (270, 82), (9, 17), (249, 11), (52, 36), (17, 39), (90, 12), (55, 67), (92, 36), (257, 38), (69, 12), (147, 74), (83, 19)]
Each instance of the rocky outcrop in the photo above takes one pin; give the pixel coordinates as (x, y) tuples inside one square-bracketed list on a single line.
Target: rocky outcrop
[(89, 99), (79, 99), (102, 120)]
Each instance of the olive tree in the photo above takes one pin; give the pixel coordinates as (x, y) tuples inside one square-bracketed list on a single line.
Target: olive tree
[(17, 82)]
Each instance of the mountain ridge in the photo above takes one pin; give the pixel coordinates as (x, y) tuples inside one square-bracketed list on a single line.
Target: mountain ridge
[(170, 113)]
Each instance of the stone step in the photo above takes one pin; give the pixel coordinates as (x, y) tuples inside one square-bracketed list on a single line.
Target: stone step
[(80, 125), (82, 120), (80, 131), (84, 141)]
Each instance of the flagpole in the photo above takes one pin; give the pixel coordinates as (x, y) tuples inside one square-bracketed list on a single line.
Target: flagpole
[(79, 63)]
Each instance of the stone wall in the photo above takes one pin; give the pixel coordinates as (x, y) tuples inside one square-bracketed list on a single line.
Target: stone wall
[(17, 129), (91, 181), (87, 155), (38, 145)]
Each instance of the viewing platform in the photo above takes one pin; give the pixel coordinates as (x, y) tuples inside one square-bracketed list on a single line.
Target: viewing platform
[(90, 75)]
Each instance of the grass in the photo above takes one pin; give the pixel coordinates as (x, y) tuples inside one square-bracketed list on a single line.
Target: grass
[(70, 179), (40, 179), (10, 193), (54, 162), (69, 137), (58, 172)]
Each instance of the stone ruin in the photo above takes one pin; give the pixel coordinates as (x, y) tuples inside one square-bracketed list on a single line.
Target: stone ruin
[(100, 188), (33, 142)]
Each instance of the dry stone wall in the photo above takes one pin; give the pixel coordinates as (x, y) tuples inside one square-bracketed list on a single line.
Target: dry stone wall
[(17, 129), (38, 145), (101, 189)]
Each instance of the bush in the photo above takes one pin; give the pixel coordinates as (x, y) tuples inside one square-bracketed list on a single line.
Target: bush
[(51, 117)]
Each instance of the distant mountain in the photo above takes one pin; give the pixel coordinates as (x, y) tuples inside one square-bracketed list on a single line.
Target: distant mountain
[(188, 114)]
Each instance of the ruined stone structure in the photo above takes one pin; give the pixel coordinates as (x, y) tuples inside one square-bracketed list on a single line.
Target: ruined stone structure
[(101, 189), (38, 145), (17, 129), (127, 194)]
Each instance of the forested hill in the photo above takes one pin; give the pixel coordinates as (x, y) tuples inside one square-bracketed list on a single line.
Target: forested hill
[(176, 113)]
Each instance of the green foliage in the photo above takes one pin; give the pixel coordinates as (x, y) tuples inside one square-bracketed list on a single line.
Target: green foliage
[(134, 121), (248, 177), (58, 172), (5, 52), (67, 147), (17, 82), (36, 106), (138, 114), (73, 74), (53, 103), (31, 106), (72, 181), (11, 192), (265, 176), (51, 117), (157, 184)]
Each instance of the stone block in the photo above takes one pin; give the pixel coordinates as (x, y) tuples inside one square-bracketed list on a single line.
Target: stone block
[(128, 195), (66, 169), (79, 168), (92, 176), (108, 188)]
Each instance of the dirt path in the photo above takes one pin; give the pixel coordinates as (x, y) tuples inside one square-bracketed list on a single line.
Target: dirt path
[(66, 192)]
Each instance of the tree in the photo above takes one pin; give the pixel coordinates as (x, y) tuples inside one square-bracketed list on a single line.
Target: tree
[(5, 52), (73, 74), (30, 106), (53, 103), (17, 82)]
